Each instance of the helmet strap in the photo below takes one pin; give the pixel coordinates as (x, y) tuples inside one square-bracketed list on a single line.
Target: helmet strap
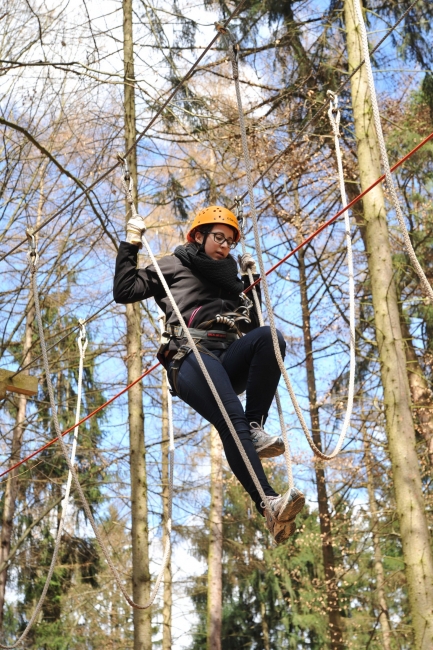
[(205, 234)]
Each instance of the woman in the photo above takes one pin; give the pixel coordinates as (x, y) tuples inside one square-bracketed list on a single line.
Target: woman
[(237, 352)]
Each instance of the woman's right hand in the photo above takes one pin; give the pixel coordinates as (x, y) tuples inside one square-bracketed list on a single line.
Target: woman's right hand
[(135, 228)]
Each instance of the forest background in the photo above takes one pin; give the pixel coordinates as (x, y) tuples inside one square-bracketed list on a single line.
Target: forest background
[(72, 95)]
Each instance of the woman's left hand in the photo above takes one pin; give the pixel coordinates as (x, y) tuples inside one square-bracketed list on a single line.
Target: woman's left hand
[(246, 261)]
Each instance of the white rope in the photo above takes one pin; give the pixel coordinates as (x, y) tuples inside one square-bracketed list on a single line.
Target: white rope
[(287, 453), (384, 155), (33, 266), (82, 345), (232, 50), (334, 117), (192, 345)]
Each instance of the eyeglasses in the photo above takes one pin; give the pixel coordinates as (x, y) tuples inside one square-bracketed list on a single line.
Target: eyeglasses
[(220, 239)]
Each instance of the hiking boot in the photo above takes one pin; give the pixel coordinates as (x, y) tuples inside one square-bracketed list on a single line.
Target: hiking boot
[(286, 506), (280, 530), (266, 446)]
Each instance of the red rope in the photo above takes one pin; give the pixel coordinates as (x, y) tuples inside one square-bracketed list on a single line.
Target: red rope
[(342, 211), (295, 250), (64, 433)]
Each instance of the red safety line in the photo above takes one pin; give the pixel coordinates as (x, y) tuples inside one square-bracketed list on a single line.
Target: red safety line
[(308, 239), (342, 211), (24, 460)]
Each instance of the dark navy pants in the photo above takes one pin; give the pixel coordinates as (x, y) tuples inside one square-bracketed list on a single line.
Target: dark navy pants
[(248, 364)]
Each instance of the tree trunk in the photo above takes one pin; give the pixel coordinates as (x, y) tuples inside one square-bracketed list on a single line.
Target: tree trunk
[(10, 492), (167, 604), (265, 627), (335, 627), (214, 590), (378, 564), (140, 532), (422, 398), (399, 423)]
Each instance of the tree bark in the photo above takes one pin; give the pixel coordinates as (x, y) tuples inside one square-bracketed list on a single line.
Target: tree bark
[(214, 590), (378, 564), (334, 618), (11, 487), (265, 627), (167, 604), (422, 398), (399, 423), (140, 531)]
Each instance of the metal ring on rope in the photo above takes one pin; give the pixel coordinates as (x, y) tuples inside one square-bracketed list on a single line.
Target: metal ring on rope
[(384, 154), (233, 54)]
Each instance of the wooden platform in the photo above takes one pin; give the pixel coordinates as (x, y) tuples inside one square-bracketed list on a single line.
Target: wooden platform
[(22, 384)]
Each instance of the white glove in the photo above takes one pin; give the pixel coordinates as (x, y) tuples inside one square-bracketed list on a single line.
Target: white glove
[(246, 261), (134, 230)]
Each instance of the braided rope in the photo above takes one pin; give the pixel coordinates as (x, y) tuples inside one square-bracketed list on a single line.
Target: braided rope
[(77, 484), (283, 427), (232, 51), (384, 154), (82, 345)]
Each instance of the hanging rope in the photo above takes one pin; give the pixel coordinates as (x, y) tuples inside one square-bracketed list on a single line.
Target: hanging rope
[(34, 257), (384, 155), (82, 345), (128, 185), (334, 118), (233, 54), (287, 453)]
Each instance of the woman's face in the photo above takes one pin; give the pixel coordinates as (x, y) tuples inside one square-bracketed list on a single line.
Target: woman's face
[(212, 248)]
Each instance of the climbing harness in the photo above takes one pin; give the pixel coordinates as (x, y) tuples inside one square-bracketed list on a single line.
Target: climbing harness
[(128, 185), (34, 257), (384, 154), (205, 340), (82, 345), (233, 50)]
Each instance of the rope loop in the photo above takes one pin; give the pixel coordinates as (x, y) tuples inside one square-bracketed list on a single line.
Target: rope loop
[(316, 450)]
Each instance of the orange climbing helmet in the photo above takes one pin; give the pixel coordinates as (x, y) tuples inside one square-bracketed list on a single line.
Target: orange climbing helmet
[(214, 214)]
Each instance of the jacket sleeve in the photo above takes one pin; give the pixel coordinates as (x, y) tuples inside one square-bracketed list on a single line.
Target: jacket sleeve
[(132, 284)]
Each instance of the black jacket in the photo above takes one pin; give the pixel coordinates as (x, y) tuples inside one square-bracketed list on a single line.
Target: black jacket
[(188, 289)]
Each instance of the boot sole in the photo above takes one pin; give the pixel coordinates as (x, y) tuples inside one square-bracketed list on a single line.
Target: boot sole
[(293, 507), (271, 451), (284, 534)]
